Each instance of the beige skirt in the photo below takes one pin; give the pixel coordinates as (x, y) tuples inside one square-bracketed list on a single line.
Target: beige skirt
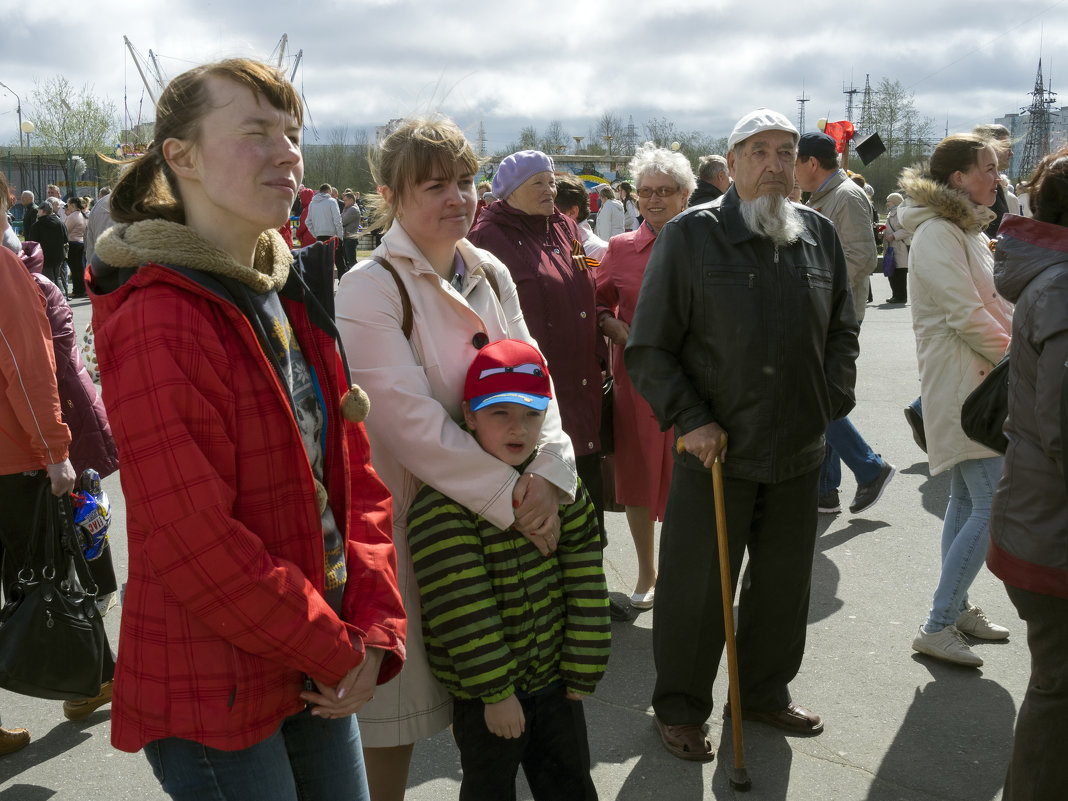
[(413, 705)]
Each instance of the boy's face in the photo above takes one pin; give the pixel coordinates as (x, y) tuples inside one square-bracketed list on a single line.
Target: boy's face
[(509, 431)]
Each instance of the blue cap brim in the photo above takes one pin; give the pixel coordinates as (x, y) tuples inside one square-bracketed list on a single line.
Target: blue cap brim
[(539, 402)]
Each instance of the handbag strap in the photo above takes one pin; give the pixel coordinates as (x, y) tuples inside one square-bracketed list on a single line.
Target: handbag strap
[(406, 300), (69, 542), (60, 538)]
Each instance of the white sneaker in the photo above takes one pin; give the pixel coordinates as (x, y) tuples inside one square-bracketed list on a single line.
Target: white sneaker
[(974, 621), (106, 603), (947, 644)]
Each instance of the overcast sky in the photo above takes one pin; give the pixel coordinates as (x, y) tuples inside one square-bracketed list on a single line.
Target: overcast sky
[(510, 63)]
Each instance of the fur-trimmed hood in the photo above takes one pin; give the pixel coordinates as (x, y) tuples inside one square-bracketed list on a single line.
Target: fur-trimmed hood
[(123, 247), (928, 198)]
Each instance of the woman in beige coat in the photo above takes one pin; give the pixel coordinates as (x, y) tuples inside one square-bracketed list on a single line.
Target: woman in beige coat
[(962, 327), (458, 299)]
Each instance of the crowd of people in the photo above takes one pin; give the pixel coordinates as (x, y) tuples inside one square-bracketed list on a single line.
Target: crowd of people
[(366, 498)]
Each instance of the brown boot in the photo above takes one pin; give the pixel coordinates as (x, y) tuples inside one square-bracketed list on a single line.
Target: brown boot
[(12, 740), (83, 708)]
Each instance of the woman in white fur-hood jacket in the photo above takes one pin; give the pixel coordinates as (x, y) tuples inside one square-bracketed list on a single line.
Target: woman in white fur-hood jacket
[(962, 327)]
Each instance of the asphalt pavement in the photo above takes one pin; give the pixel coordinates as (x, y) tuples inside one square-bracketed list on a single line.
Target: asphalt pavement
[(898, 726)]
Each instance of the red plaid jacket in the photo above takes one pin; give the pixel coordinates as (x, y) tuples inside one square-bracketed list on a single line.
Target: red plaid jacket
[(223, 614)]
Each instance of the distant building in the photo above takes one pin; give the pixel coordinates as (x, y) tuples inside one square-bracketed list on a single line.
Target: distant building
[(382, 131)]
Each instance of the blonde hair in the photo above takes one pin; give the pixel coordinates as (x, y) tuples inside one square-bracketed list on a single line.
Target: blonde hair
[(411, 155), (148, 189)]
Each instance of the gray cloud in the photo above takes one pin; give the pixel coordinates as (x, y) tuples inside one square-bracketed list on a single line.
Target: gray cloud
[(700, 63)]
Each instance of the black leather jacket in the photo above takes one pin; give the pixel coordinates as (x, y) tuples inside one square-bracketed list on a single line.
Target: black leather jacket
[(760, 339)]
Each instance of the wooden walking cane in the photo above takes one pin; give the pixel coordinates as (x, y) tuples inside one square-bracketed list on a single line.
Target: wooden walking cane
[(738, 777)]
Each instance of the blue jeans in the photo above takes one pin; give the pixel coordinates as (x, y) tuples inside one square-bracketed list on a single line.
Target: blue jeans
[(307, 758), (965, 535), (844, 443)]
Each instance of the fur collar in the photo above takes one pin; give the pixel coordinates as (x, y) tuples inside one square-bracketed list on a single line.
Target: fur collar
[(944, 201), (166, 242)]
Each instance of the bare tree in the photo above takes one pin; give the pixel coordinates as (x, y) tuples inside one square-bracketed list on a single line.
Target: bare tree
[(609, 129), (662, 132), (554, 138), (71, 120), (908, 137)]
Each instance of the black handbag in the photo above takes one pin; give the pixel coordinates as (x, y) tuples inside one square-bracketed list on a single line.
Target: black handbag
[(985, 410), (52, 638)]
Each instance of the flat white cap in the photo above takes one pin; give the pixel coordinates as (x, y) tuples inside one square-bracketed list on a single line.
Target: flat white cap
[(763, 119)]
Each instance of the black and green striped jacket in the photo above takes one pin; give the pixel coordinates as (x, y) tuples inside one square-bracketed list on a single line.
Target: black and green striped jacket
[(499, 617)]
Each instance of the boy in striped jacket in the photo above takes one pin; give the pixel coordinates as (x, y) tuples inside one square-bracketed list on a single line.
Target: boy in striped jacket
[(517, 638)]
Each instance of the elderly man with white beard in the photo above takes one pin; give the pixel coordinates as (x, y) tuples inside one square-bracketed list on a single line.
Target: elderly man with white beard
[(745, 328)]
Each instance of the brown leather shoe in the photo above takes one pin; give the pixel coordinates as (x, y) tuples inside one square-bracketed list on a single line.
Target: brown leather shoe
[(84, 707), (12, 740), (685, 741), (792, 719)]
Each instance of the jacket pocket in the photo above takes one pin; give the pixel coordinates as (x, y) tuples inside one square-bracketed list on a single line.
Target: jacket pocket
[(814, 277)]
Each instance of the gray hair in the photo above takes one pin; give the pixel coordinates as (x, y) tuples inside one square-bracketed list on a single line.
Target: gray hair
[(650, 159), (710, 167)]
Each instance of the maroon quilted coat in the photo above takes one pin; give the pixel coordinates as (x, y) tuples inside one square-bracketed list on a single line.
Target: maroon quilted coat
[(556, 292), (83, 410)]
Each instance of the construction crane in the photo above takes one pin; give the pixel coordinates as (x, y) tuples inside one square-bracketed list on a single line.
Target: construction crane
[(152, 87), (280, 48)]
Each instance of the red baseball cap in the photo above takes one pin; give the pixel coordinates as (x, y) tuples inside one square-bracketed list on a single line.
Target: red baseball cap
[(508, 371)]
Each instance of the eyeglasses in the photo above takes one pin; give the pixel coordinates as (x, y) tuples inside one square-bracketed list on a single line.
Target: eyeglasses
[(660, 191)]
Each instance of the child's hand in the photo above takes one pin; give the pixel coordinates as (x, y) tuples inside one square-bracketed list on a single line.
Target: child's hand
[(505, 718), (575, 696)]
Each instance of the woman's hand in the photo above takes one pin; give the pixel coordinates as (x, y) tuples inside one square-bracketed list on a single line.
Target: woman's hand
[(537, 511), (535, 501), (355, 689), (505, 718), (615, 329)]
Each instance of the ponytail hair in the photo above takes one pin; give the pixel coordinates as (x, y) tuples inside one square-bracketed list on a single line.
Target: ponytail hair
[(148, 189)]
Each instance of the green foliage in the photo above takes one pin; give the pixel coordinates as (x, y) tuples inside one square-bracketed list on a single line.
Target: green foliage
[(72, 120), (341, 161)]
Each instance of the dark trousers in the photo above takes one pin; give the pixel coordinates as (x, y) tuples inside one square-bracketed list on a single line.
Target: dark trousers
[(777, 524), (349, 256), (553, 751), (1038, 770), (76, 262), (18, 532), (899, 283), (589, 472)]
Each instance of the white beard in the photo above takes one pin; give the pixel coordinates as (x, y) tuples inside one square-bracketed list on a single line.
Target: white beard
[(774, 217)]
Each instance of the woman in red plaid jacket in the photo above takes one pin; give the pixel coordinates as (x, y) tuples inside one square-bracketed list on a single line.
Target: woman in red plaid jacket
[(262, 607)]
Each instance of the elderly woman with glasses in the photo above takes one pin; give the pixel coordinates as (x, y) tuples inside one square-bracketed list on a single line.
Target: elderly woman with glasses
[(643, 452)]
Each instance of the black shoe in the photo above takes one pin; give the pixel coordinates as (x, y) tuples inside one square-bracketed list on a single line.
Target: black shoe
[(828, 503), (915, 421), (868, 494), (618, 611), (897, 300)]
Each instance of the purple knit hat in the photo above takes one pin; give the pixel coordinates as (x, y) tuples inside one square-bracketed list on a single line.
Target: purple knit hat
[(517, 168)]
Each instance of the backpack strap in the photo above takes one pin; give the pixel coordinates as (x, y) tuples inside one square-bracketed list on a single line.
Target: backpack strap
[(406, 300)]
